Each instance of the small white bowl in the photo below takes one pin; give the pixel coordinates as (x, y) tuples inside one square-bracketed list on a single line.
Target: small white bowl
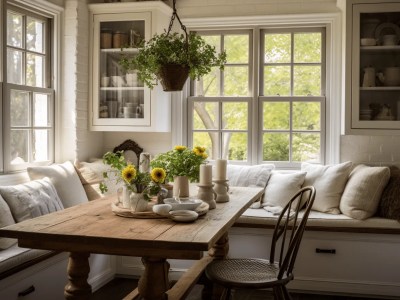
[(162, 209), (183, 215), (368, 42), (187, 204)]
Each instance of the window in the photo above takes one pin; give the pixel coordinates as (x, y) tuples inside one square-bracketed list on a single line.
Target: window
[(221, 100), (283, 120), (293, 95), (28, 94)]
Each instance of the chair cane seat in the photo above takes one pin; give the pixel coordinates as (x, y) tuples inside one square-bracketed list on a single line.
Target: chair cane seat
[(257, 273), (244, 273)]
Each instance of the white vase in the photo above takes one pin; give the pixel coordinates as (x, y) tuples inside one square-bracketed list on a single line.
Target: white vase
[(137, 202), (181, 187), (123, 197)]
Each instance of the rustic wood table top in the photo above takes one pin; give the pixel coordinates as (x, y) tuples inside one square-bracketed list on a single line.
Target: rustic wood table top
[(93, 228)]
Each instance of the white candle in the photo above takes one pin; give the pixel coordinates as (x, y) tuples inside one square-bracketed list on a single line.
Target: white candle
[(205, 174), (221, 169)]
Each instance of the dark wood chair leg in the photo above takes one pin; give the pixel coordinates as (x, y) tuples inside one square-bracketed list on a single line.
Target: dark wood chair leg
[(286, 293)]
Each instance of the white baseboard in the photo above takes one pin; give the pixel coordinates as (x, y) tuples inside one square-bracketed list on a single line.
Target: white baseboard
[(354, 288), (106, 274)]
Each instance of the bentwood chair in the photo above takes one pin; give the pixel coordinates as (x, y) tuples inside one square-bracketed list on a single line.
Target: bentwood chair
[(253, 273)]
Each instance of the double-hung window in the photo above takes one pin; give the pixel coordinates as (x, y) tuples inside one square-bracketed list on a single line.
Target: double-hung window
[(292, 96), (268, 104), (222, 100), (28, 92)]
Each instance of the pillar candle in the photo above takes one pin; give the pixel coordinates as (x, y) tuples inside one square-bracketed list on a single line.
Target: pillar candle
[(220, 169), (205, 174)]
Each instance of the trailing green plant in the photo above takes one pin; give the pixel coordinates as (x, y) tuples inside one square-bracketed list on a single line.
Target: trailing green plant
[(173, 48)]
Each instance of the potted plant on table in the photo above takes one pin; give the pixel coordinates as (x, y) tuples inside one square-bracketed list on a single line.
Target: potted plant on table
[(181, 165), (138, 186)]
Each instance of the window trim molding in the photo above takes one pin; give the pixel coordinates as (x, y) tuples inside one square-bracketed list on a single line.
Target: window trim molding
[(332, 23), (55, 13)]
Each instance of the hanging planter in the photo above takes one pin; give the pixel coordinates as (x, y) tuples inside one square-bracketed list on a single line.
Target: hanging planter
[(173, 76), (170, 58)]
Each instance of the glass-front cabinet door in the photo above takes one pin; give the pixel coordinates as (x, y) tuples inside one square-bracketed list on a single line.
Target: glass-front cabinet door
[(374, 61), (119, 101)]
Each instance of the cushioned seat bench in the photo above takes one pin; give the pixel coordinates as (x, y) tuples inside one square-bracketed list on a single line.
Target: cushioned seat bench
[(259, 218)]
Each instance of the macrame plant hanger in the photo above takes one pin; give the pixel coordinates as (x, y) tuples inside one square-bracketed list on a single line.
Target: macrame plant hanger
[(174, 76)]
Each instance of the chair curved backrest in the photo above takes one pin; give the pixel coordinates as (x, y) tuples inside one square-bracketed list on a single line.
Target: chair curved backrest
[(289, 230)]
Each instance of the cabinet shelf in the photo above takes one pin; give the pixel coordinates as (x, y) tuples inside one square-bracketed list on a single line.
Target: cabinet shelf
[(378, 49), (380, 88), (124, 88), (122, 50)]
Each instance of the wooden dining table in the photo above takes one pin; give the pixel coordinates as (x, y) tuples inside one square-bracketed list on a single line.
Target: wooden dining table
[(92, 227)]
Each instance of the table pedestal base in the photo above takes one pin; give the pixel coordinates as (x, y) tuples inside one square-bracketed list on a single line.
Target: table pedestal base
[(78, 271), (154, 281)]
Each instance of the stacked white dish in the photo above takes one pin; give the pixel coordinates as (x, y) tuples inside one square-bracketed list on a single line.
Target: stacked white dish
[(365, 114)]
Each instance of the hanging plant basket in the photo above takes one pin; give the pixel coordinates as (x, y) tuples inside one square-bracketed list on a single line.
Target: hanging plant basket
[(170, 58), (173, 77)]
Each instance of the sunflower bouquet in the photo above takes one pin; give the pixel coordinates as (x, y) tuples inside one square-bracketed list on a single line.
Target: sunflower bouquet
[(181, 161), (149, 184)]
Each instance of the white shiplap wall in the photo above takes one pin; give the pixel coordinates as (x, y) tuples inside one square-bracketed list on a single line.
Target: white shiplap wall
[(78, 141)]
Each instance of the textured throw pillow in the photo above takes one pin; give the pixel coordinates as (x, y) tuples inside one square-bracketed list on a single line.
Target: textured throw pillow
[(257, 175), (6, 219), (66, 181), (281, 188), (363, 191), (32, 199), (329, 182), (91, 175), (389, 205)]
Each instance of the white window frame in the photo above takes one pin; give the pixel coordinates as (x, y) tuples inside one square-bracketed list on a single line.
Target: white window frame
[(55, 13), (249, 99), (332, 24), (292, 99)]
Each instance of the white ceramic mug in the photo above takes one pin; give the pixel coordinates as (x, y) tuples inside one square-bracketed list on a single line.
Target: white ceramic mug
[(105, 81), (390, 40)]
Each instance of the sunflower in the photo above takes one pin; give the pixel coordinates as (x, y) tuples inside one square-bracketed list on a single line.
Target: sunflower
[(158, 175), (128, 173), (180, 148), (200, 151)]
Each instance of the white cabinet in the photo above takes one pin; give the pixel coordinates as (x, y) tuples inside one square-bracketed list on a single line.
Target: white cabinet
[(118, 101), (372, 67), (332, 262)]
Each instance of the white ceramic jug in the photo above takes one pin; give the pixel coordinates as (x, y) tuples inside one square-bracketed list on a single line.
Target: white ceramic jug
[(390, 76), (369, 77)]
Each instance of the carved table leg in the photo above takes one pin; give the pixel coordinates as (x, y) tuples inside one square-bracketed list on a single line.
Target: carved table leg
[(78, 272), (219, 251), (154, 281)]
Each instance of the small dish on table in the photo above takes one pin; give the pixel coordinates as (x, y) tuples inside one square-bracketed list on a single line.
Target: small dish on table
[(183, 204)]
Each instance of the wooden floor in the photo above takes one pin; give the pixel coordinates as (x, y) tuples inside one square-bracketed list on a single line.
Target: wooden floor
[(120, 287)]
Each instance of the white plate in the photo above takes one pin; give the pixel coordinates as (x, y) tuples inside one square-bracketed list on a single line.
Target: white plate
[(183, 215), (382, 29)]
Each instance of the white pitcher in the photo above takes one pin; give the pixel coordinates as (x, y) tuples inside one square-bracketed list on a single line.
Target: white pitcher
[(369, 77)]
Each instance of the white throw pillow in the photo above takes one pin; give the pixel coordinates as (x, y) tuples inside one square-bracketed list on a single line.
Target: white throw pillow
[(6, 219), (91, 175), (329, 182), (256, 175), (363, 191), (282, 187), (65, 180), (32, 199)]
